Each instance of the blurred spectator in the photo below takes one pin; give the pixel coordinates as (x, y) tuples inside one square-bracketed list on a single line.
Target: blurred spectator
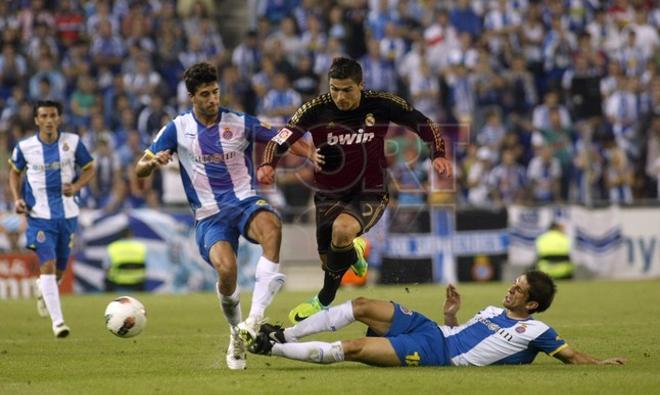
[(464, 19), (42, 44), (143, 82), (306, 82), (558, 46), (236, 92), (411, 177), (492, 133), (588, 167), (291, 43), (440, 37), (378, 74), (13, 69), (622, 113), (520, 95), (247, 55), (83, 100), (477, 180), (508, 180), (48, 71), (559, 138), (336, 19), (619, 177), (107, 188), (107, 47), (582, 84), (646, 35), (314, 39), (653, 155), (280, 101), (424, 91), (69, 22), (541, 115), (544, 173), (392, 46), (149, 121), (631, 56)]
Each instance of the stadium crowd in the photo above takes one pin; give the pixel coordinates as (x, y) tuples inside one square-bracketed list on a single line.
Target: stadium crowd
[(549, 101)]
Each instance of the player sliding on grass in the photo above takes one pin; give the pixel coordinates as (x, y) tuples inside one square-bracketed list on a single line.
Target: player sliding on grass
[(399, 337), (348, 125), (214, 147)]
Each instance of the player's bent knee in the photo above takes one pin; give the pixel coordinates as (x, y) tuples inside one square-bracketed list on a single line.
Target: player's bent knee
[(360, 307), (343, 232), (353, 349)]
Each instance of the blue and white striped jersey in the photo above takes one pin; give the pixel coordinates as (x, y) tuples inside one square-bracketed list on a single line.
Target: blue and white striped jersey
[(491, 337), (47, 167), (216, 161)]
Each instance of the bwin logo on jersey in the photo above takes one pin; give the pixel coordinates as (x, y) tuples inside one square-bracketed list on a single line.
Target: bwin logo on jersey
[(348, 139)]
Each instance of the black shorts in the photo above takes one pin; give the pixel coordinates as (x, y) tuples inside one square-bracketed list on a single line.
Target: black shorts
[(367, 208)]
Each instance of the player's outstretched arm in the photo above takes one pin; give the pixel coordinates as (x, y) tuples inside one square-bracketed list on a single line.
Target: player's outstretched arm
[(569, 356), (149, 162), (452, 305)]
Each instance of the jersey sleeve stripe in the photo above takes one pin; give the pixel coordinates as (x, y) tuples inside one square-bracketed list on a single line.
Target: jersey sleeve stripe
[(563, 346), (437, 138), (88, 165), (149, 153), (13, 166)]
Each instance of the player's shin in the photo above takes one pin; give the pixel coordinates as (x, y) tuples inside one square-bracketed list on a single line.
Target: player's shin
[(231, 306), (329, 320), (316, 352), (268, 283), (51, 295), (338, 262)]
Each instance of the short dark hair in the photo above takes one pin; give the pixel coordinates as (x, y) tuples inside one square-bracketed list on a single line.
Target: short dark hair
[(47, 103), (199, 74), (343, 68), (541, 290)]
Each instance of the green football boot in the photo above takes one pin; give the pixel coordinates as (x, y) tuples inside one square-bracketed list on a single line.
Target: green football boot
[(361, 265)]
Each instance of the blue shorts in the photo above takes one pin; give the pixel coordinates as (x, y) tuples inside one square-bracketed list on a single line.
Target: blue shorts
[(416, 339), (227, 225), (51, 239)]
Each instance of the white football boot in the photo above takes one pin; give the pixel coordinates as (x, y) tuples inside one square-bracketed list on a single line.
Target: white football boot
[(236, 351)]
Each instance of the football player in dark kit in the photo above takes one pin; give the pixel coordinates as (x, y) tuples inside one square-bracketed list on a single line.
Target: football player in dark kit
[(348, 126)]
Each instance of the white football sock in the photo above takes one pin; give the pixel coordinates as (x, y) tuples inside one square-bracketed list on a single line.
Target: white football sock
[(268, 283), (51, 295), (316, 352), (329, 320), (231, 306)]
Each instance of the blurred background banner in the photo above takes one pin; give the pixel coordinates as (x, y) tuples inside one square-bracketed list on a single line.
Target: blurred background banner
[(173, 262)]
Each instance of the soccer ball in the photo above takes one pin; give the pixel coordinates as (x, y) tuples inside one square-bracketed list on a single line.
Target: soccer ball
[(125, 317)]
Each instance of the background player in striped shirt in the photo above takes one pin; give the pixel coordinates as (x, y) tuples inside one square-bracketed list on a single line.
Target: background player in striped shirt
[(51, 160), (400, 337), (214, 147)]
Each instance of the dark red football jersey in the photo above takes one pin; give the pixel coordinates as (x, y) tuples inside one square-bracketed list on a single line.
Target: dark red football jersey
[(353, 141)]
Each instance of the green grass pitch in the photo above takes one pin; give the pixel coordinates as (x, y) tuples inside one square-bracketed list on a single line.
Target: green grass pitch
[(182, 349)]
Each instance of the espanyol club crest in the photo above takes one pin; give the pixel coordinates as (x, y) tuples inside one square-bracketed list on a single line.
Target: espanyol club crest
[(65, 147), (521, 328), (370, 120), (227, 134), (41, 236)]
